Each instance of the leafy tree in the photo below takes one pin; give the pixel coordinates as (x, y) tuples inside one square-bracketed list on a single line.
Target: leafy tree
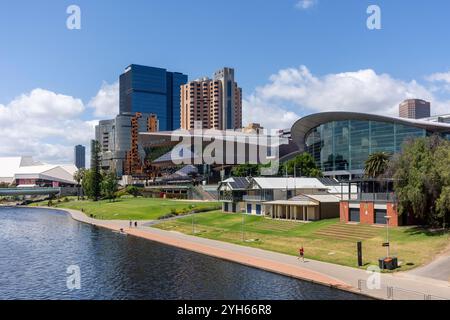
[(422, 179), (96, 178), (376, 164), (302, 165), (134, 191), (109, 186), (246, 170)]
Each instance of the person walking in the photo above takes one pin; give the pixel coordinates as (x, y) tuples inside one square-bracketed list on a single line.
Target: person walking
[(301, 254), (135, 224), (131, 224)]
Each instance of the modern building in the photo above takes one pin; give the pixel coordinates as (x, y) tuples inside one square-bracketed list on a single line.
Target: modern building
[(150, 90), (341, 142), (212, 103), (10, 165), (25, 172), (80, 156), (297, 199), (415, 109), (115, 138)]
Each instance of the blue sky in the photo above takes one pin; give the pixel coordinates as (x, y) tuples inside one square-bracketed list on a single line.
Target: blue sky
[(279, 50)]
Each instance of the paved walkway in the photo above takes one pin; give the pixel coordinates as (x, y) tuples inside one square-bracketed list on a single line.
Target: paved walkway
[(439, 269), (407, 285)]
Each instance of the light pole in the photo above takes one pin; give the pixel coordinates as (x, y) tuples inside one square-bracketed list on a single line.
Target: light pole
[(243, 224), (387, 237)]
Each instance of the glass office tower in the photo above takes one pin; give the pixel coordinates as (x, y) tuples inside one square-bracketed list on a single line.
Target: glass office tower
[(152, 90), (80, 156)]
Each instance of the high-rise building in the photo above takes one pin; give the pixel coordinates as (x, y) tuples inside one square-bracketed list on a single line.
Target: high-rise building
[(116, 138), (213, 103), (150, 90), (414, 109), (80, 156)]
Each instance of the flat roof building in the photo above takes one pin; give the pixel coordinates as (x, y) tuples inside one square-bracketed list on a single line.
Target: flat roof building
[(212, 103), (415, 109), (151, 90), (80, 156)]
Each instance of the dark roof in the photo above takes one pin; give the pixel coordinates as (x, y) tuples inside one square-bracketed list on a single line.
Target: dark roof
[(240, 183)]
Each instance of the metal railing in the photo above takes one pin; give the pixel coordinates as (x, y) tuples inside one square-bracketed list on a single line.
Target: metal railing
[(396, 293)]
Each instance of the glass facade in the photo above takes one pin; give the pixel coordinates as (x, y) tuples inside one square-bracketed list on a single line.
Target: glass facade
[(152, 91), (346, 145)]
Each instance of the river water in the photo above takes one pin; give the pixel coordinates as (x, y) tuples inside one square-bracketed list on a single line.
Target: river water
[(37, 247)]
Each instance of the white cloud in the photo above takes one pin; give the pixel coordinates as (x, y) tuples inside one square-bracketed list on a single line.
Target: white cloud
[(106, 102), (43, 124), (306, 4), (294, 92), (439, 77)]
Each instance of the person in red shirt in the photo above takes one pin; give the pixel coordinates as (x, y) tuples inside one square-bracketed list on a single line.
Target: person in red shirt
[(302, 254)]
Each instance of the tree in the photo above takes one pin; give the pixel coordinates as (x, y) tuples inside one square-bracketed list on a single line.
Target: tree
[(78, 177), (134, 191), (376, 164), (93, 177), (422, 179), (109, 186), (302, 165), (246, 170)]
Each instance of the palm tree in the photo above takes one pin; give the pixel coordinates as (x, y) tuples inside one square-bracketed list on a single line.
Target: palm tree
[(376, 164), (78, 177)]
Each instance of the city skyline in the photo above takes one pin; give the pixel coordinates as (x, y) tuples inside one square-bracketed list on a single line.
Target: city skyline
[(296, 75)]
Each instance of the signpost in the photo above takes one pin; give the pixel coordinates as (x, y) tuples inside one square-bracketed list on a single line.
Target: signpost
[(360, 259)]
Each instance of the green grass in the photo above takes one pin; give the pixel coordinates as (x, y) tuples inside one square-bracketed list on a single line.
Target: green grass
[(132, 208), (413, 246)]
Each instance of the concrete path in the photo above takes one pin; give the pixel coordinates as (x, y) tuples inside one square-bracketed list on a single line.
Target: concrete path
[(407, 286), (439, 269)]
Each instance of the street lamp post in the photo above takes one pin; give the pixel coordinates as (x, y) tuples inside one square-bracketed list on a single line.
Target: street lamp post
[(243, 225), (387, 236)]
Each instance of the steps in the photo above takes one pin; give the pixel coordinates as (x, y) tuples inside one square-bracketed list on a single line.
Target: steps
[(348, 232)]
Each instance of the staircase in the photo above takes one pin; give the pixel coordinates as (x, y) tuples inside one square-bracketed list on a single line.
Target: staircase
[(206, 193)]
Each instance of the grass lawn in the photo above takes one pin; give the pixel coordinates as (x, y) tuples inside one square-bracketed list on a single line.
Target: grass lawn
[(132, 208), (326, 240)]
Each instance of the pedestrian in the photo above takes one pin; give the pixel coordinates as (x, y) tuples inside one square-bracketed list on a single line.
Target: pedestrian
[(302, 254), (131, 224), (135, 224)]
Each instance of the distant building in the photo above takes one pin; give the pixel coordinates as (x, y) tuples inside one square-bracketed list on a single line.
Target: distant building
[(415, 109), (115, 138), (27, 173), (212, 103), (253, 128), (80, 156), (150, 90)]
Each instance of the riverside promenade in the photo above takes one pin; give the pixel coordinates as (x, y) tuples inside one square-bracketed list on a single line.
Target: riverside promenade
[(396, 286)]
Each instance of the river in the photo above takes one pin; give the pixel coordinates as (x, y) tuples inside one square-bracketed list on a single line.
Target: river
[(37, 246)]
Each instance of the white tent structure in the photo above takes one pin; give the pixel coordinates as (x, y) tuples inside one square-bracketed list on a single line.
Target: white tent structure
[(26, 172)]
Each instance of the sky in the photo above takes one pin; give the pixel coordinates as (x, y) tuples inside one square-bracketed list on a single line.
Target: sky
[(291, 57)]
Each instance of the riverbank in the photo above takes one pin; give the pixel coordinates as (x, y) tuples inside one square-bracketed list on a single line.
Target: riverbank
[(131, 208), (340, 277)]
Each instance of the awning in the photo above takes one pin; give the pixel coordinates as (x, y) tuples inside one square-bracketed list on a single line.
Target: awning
[(293, 203)]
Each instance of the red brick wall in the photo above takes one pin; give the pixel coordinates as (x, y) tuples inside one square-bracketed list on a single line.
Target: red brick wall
[(392, 212), (344, 211), (367, 213)]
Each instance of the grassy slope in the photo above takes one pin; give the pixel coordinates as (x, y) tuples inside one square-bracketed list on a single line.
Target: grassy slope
[(413, 246), (131, 208)]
